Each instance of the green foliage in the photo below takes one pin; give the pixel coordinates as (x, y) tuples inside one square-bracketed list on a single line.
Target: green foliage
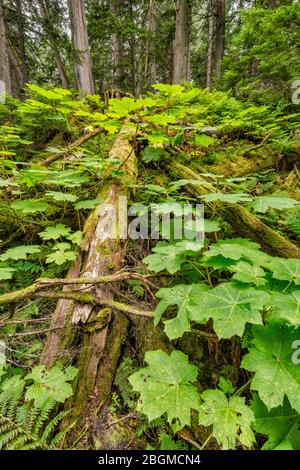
[(231, 419), (27, 424), (165, 386), (270, 358)]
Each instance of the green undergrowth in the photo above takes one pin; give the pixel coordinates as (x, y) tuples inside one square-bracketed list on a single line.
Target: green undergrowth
[(230, 311)]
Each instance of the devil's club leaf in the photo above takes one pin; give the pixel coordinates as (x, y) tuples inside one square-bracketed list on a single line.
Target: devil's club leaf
[(281, 425), (285, 269), (231, 306), (187, 298), (264, 203), (50, 384), (271, 358), (165, 386), (231, 419), (54, 233), (166, 256), (286, 306), (19, 252)]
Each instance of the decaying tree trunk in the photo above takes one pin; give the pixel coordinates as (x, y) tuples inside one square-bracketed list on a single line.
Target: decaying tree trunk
[(102, 331), (242, 221)]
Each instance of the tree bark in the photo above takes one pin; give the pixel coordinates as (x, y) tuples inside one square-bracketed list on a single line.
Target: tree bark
[(220, 37), (5, 71), (210, 43), (150, 63), (117, 51), (48, 25), (181, 66), (21, 38), (83, 63)]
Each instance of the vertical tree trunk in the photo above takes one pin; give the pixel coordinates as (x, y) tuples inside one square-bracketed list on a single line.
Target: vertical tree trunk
[(181, 68), (117, 51), (210, 43), (21, 41), (5, 72), (220, 37), (150, 63), (47, 21), (83, 63)]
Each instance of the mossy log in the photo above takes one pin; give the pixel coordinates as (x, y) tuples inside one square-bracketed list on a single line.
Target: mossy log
[(102, 332), (241, 220)]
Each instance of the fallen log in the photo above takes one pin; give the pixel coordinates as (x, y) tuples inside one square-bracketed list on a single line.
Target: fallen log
[(241, 220), (77, 143), (93, 308)]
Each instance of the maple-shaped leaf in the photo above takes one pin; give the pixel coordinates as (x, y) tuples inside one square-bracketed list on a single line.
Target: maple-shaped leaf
[(231, 419), (19, 252), (263, 203), (89, 204), (50, 384), (247, 273), (286, 306), (165, 387), (230, 198), (271, 359), (30, 206), (281, 425), (231, 305), (54, 233), (6, 273), (235, 249), (166, 256), (187, 299), (61, 254), (61, 197), (285, 269)]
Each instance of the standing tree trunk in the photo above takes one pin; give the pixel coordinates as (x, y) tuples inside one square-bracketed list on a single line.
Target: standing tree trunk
[(21, 41), (220, 37), (150, 63), (5, 72), (117, 51), (210, 43), (181, 67), (48, 25), (83, 63)]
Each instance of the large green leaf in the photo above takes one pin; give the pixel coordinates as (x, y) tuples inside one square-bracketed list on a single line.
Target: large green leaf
[(30, 206), (286, 306), (187, 299), (20, 252), (231, 419), (231, 305), (50, 384), (54, 233), (166, 256), (165, 387), (264, 203), (230, 198), (281, 425), (270, 357), (285, 269)]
